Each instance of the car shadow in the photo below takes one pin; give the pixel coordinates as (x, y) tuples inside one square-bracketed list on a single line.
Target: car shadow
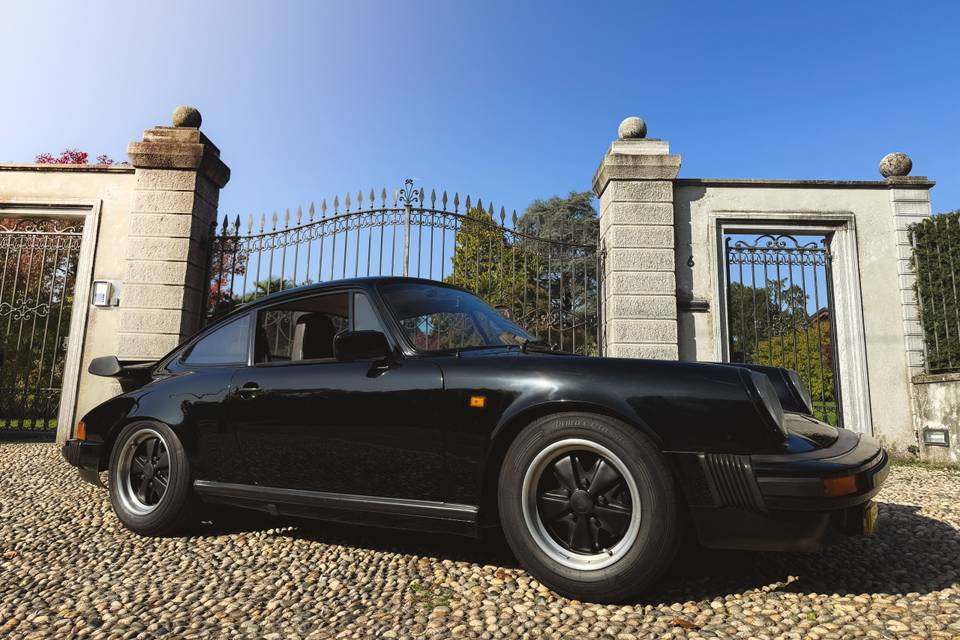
[(491, 549), (910, 553)]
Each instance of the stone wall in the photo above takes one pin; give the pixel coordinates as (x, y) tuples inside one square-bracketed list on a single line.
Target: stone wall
[(101, 198), (145, 230), (937, 405), (648, 313)]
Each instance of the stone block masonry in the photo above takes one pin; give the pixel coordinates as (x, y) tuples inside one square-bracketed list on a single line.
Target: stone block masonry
[(179, 175), (634, 183)]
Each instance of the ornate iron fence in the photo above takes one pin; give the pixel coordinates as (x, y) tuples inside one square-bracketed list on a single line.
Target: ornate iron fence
[(780, 311), (548, 284), (37, 274), (936, 262)]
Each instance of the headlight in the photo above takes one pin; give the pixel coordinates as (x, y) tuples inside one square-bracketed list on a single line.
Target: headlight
[(765, 398), (800, 390)]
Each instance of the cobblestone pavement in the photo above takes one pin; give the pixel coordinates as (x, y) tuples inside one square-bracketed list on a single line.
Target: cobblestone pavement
[(68, 569)]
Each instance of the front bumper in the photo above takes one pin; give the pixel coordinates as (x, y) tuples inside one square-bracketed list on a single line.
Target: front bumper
[(86, 456), (783, 502)]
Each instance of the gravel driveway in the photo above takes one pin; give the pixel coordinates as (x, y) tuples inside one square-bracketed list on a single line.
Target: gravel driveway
[(68, 569)]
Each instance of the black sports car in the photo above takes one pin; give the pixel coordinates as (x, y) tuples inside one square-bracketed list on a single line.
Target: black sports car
[(411, 403)]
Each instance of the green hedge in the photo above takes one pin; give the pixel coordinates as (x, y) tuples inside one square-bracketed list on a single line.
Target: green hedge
[(936, 261)]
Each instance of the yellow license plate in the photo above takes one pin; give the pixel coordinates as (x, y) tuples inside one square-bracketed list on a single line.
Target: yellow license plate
[(870, 518)]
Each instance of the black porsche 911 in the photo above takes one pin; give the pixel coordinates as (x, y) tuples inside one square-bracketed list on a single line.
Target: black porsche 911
[(412, 404)]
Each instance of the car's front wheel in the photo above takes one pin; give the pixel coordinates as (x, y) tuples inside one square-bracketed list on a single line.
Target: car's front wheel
[(588, 506), (150, 479)]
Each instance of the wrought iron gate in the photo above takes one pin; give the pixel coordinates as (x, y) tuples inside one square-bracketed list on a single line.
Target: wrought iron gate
[(37, 274), (546, 282), (780, 311)]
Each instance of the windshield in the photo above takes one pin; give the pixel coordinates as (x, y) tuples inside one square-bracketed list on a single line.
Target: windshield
[(440, 319)]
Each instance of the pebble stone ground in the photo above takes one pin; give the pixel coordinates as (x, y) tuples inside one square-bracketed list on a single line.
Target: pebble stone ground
[(68, 569)]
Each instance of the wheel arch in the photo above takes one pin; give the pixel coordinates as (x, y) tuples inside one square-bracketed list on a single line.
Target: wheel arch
[(505, 433), (110, 438)]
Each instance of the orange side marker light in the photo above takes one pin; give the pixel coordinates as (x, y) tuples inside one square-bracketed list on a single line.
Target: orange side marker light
[(478, 402), (840, 486), (81, 432)]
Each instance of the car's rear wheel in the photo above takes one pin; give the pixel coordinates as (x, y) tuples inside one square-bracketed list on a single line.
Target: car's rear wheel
[(588, 506), (150, 479)]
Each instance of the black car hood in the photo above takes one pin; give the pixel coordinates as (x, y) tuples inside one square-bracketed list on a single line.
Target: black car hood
[(809, 433)]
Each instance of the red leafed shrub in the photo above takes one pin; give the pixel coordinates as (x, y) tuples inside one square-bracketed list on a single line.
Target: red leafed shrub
[(68, 156), (75, 156)]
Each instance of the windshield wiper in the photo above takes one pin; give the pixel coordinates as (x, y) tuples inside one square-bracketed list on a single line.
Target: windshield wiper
[(527, 344)]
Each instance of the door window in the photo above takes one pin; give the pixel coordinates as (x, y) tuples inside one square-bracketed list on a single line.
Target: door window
[(301, 330), (225, 345)]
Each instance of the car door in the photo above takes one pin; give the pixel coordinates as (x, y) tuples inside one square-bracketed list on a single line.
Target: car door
[(305, 421)]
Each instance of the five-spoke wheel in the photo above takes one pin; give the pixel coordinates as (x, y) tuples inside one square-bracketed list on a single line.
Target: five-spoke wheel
[(150, 479), (581, 503), (588, 506), (145, 471)]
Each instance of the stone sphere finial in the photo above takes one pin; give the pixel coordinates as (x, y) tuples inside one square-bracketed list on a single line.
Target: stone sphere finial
[(895, 165), (632, 128), (184, 116)]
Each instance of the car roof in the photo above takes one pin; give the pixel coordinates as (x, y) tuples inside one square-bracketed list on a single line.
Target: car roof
[(335, 284)]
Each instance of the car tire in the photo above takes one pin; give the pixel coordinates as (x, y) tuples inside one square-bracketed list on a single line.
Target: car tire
[(149, 481), (617, 532)]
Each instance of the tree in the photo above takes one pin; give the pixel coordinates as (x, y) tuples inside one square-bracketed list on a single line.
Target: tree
[(758, 312), (487, 262), (563, 232), (806, 348), (572, 219), (542, 273)]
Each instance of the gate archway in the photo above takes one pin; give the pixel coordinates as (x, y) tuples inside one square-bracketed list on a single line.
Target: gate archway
[(38, 269), (780, 310), (549, 284)]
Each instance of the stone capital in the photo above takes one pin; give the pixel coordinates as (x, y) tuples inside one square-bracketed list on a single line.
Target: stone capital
[(179, 148), (636, 160), (912, 182)]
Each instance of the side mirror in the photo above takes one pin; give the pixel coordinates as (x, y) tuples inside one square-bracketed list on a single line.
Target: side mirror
[(106, 366), (360, 345)]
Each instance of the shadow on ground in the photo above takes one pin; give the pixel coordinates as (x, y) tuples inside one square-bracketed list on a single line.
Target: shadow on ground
[(927, 553)]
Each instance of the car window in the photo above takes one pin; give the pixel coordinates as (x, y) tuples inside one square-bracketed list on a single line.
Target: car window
[(442, 330), (299, 330), (225, 345), (364, 316), (437, 318)]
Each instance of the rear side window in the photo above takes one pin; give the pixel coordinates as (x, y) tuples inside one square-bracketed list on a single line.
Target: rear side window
[(225, 345)]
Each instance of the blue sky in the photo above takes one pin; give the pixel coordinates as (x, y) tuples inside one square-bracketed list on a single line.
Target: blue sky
[(511, 101)]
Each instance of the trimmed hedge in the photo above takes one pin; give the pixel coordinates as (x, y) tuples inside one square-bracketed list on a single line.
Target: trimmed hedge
[(936, 262)]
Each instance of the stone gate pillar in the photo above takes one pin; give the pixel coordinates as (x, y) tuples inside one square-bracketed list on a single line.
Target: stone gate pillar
[(634, 183), (909, 204), (179, 175)]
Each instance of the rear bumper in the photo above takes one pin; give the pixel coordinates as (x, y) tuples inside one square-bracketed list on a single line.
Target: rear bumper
[(782, 502), (85, 456)]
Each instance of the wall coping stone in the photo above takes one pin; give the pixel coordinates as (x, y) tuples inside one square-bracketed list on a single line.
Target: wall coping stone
[(930, 378), (74, 168), (179, 148), (920, 182)]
